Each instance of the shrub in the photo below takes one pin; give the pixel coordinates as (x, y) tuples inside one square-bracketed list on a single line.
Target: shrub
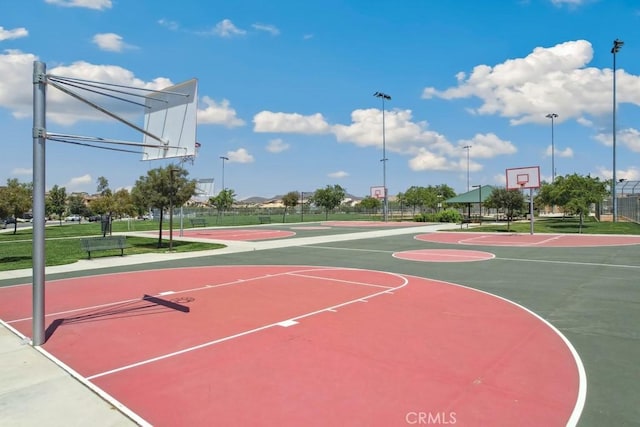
[(448, 215)]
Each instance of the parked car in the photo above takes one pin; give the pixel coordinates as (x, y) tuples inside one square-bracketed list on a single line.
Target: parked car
[(94, 218), (73, 218)]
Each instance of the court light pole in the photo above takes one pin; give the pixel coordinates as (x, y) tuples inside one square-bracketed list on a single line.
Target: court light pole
[(385, 208), (468, 148), (223, 158), (552, 116), (617, 44)]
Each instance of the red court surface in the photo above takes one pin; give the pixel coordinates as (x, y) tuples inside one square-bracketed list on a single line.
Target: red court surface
[(443, 255), (312, 346), (235, 234), (372, 224), (529, 240)]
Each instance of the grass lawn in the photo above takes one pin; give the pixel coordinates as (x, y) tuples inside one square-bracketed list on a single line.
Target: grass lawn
[(62, 246), (559, 225)]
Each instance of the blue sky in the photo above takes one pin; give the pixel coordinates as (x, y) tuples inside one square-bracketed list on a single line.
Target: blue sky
[(286, 88)]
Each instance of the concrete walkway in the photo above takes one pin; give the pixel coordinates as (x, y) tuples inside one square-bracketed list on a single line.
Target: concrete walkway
[(38, 390)]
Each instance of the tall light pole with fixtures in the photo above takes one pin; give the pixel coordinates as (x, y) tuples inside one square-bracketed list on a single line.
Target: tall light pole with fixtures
[(223, 158), (468, 148), (617, 44), (552, 116), (385, 208)]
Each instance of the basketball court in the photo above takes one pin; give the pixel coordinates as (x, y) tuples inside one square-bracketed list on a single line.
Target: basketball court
[(380, 329)]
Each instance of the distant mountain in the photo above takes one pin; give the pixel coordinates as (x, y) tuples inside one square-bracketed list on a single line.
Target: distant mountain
[(260, 200)]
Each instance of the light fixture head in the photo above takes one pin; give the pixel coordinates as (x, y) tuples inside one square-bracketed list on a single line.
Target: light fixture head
[(617, 44)]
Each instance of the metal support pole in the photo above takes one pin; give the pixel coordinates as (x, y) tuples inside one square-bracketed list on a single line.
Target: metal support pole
[(531, 209), (39, 165), (171, 191), (384, 167), (617, 44), (385, 207)]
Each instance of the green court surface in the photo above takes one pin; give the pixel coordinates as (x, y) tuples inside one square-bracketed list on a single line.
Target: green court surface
[(590, 294)]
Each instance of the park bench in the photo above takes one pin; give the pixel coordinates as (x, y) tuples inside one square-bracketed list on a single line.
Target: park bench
[(465, 221), (264, 219), (198, 222), (103, 244)]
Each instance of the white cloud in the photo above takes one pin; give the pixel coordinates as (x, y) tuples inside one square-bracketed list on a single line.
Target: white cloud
[(271, 29), (277, 146), (548, 79), (16, 88), (16, 33), (487, 146), (171, 25), (78, 183), (111, 42), (22, 171), (307, 37), (402, 135), (572, 3), (225, 28), (338, 174), (219, 114), (500, 179), (567, 152), (629, 137), (241, 155), (631, 174), (426, 160), (88, 4), (267, 121)]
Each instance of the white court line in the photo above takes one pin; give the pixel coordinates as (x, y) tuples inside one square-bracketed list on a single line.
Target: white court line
[(332, 279), (251, 331), (593, 264), (452, 255), (551, 239)]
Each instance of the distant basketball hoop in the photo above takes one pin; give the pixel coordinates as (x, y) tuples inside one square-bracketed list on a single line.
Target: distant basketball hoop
[(377, 192), (521, 179)]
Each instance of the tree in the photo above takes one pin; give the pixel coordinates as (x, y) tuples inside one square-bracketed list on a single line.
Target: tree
[(57, 201), (328, 198), (162, 188), (224, 200), (370, 204), (16, 199), (511, 201), (289, 200), (76, 205), (574, 193)]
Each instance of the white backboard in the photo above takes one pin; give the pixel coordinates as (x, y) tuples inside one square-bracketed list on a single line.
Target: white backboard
[(171, 116), (377, 192), (521, 178)]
